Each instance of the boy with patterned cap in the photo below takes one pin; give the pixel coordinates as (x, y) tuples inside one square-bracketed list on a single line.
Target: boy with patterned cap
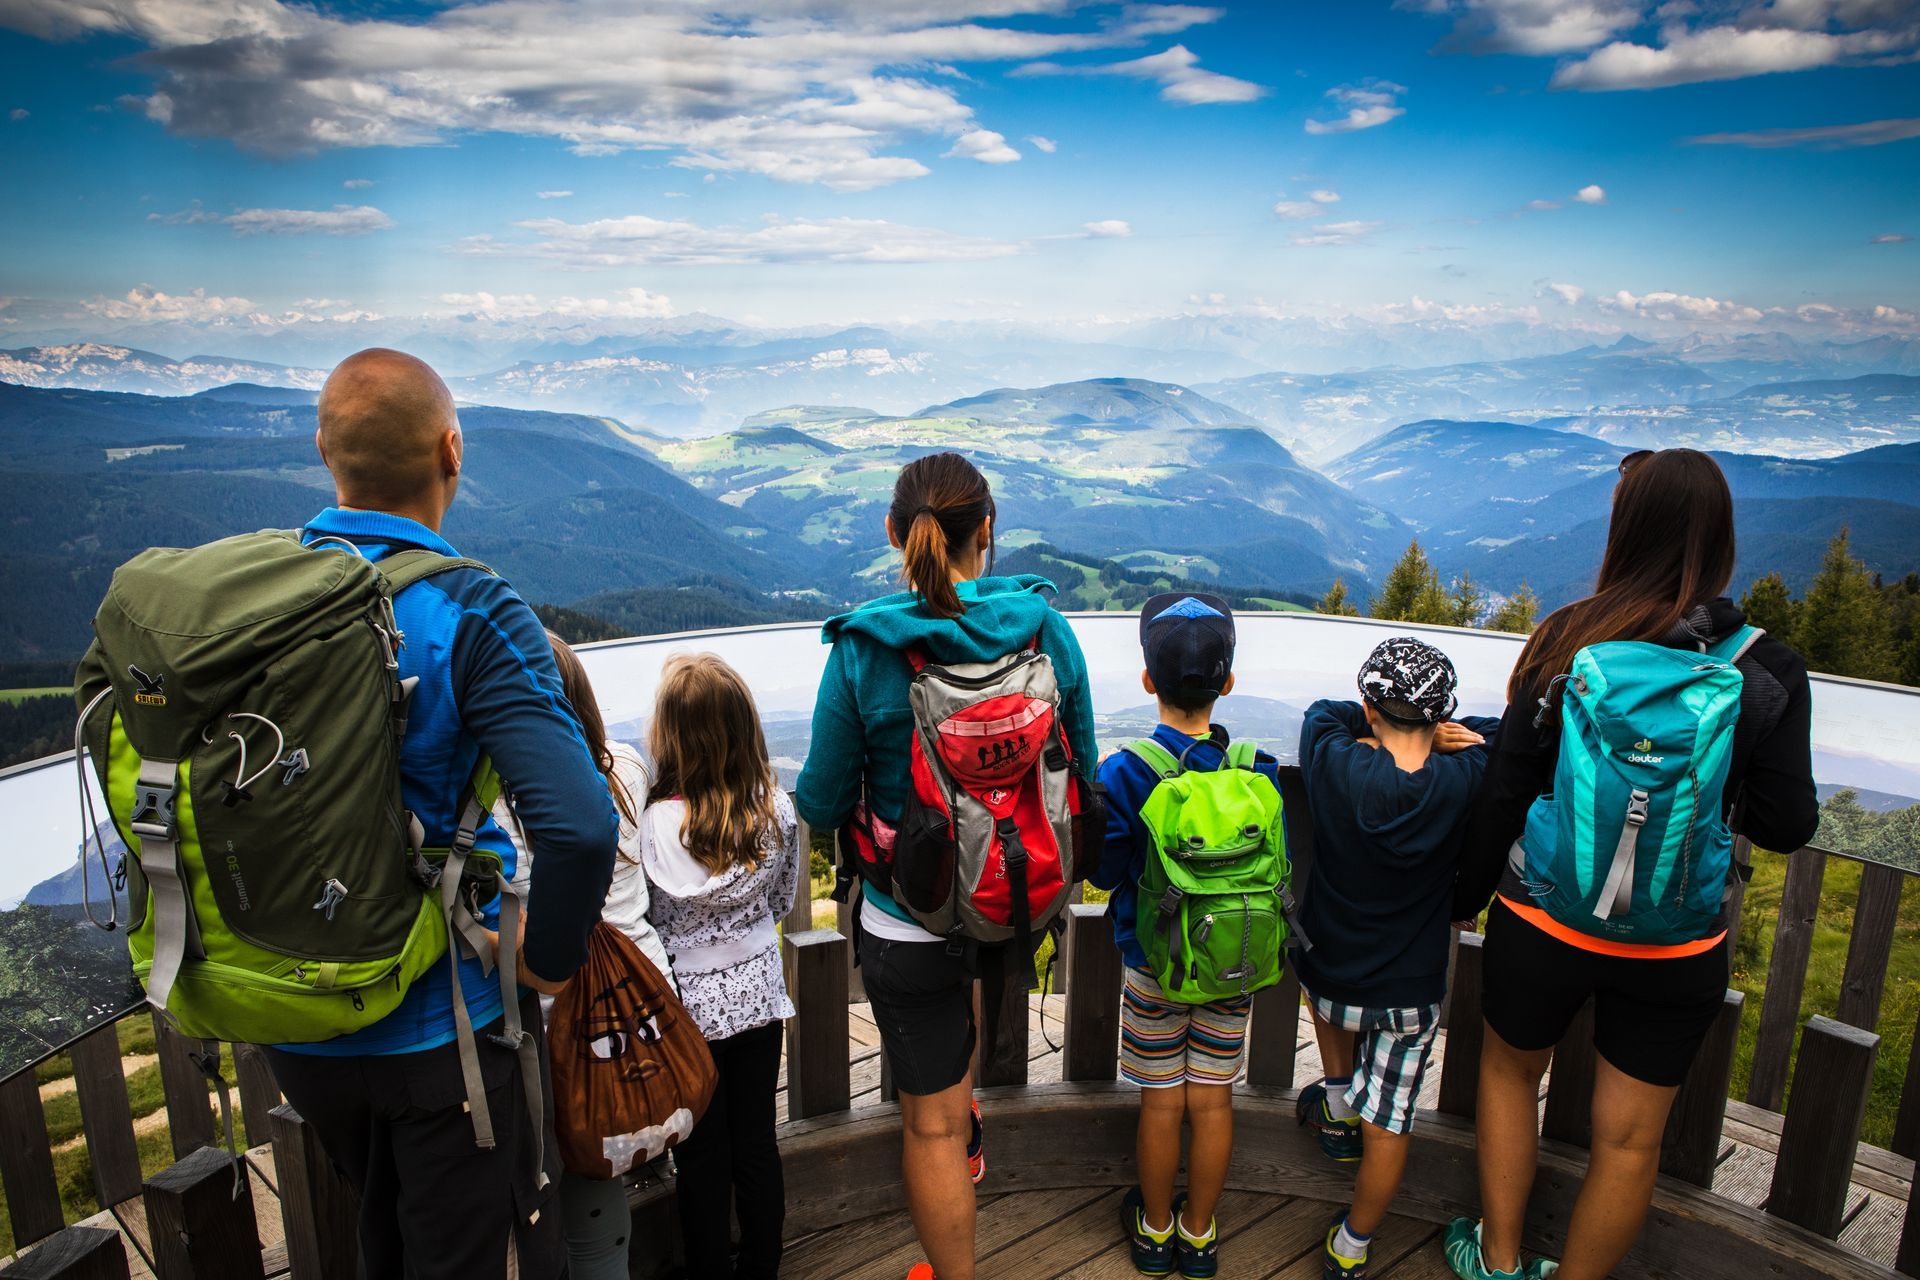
[(1184, 1057), (1390, 780)]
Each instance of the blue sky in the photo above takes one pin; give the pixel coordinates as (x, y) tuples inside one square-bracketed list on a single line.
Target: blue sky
[(1528, 162)]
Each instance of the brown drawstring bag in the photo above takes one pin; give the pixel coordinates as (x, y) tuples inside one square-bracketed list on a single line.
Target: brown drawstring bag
[(631, 1071)]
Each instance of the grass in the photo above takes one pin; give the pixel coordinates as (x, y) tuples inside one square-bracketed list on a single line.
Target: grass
[(1899, 1005), (21, 695)]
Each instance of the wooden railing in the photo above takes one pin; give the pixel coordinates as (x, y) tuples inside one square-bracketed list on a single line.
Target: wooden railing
[(1078, 1132)]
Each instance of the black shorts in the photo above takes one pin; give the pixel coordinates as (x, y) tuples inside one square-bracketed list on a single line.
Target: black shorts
[(922, 994), (1649, 1016)]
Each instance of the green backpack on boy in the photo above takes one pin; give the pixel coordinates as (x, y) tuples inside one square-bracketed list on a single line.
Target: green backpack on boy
[(1212, 901)]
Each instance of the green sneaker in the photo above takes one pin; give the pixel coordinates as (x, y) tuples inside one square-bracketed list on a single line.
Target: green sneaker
[(1335, 1265), (1340, 1139), (1462, 1244), (1152, 1251), (1197, 1260)]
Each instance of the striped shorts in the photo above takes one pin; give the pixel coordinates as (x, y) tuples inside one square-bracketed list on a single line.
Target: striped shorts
[(1389, 1061), (1164, 1043)]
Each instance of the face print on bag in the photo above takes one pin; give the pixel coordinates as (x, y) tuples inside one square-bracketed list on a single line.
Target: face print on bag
[(611, 1037)]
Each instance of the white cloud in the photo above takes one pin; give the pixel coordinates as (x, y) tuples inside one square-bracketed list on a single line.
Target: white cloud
[(1691, 55), (1336, 233), (1369, 104), (1324, 196), (18, 114), (1829, 137), (552, 195), (1663, 305), (1530, 26), (628, 304), (1039, 143), (1592, 193), (809, 91), (341, 220), (145, 304), (1892, 237), (637, 240), (1541, 206), (1298, 210), (1567, 293), (983, 145), (357, 184), (1108, 229), (1895, 316), (1183, 80)]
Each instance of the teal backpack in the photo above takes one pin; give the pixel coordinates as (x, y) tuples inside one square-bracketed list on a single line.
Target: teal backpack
[(1632, 844), (1212, 911)]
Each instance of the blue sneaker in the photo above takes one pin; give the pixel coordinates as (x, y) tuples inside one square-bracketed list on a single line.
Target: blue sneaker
[(1196, 1259), (1462, 1245), (1337, 1266), (1152, 1251), (1340, 1139)]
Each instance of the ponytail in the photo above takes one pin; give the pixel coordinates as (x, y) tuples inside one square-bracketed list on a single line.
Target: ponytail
[(939, 503)]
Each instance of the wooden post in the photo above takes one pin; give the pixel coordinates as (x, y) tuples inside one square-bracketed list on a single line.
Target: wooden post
[(843, 924), (201, 1229), (189, 1114), (318, 1205), (1092, 1050), (799, 918), (76, 1253), (1000, 1048), (106, 1116), (1569, 1114), (818, 1076), (1055, 982), (1273, 1034), (1466, 1030), (1907, 1261), (1874, 915), (1739, 870), (1906, 1126), (1691, 1151), (1812, 1174), (259, 1091), (1786, 978), (26, 1161)]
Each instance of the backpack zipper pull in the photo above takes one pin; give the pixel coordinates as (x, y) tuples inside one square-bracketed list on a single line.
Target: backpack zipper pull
[(332, 894)]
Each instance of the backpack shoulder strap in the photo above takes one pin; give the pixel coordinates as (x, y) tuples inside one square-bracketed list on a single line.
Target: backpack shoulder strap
[(1241, 755), (402, 569), (1736, 645), (1156, 757)]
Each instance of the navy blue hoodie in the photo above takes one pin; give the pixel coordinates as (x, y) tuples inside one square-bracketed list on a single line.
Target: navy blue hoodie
[(1385, 851)]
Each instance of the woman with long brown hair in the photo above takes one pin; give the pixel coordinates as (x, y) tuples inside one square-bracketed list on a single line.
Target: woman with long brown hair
[(941, 521), (720, 847), (1668, 561)]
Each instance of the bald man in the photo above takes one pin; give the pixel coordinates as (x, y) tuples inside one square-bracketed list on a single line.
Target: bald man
[(389, 1102)]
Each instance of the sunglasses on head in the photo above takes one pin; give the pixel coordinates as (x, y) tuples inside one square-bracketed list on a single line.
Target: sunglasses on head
[(1634, 459)]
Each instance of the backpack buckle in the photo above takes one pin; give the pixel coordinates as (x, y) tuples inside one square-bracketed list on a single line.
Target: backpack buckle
[(152, 811)]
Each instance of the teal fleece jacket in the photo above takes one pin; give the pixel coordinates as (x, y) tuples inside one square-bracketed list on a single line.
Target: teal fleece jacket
[(862, 722)]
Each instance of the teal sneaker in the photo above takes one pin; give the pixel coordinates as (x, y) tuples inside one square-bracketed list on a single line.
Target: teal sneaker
[(1462, 1244), (1152, 1252), (1335, 1265), (1196, 1259), (1340, 1139)]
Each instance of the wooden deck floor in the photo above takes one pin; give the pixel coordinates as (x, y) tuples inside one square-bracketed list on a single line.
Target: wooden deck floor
[(1076, 1233)]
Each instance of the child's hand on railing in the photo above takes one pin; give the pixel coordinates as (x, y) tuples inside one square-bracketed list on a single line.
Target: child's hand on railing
[(1451, 736)]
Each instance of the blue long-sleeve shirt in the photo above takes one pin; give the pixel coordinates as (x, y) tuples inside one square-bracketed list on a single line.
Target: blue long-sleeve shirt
[(488, 685), (1129, 780), (1386, 847)]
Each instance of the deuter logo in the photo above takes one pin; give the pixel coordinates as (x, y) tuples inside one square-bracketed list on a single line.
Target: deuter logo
[(1645, 744), (1639, 754)]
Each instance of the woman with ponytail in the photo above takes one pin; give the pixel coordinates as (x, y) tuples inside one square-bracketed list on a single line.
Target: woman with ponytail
[(1669, 558), (941, 521)]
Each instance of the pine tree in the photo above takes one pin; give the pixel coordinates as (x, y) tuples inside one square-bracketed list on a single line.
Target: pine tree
[(1434, 606), (1337, 602), (1468, 601), (1411, 576), (1770, 606), (1516, 612), (1842, 626)]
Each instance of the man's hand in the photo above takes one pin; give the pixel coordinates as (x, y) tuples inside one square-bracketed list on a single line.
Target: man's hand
[(1451, 736), (528, 978)]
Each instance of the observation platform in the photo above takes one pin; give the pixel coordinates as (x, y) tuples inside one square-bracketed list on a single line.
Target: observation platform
[(1777, 1185)]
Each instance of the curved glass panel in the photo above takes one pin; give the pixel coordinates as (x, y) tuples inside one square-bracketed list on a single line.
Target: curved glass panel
[(57, 974)]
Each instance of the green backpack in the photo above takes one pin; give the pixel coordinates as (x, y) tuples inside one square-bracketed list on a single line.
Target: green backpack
[(243, 708), (1212, 901)]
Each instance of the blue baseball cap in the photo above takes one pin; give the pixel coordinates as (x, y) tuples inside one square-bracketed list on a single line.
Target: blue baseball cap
[(1187, 638)]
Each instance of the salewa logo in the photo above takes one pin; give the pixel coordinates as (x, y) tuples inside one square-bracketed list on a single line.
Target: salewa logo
[(153, 689)]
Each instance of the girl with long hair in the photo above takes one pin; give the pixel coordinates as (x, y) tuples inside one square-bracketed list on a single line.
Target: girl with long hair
[(720, 848), (1669, 558), (941, 521), (595, 1210)]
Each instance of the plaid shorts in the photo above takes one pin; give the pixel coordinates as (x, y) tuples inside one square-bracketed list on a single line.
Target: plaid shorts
[(1390, 1060), (1164, 1043)]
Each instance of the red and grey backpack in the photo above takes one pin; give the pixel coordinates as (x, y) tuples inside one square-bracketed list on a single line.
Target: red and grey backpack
[(999, 825)]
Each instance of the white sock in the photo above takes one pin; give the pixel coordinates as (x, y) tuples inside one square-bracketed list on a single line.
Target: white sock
[(1189, 1237), (1349, 1245), (1337, 1105), (1156, 1232)]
